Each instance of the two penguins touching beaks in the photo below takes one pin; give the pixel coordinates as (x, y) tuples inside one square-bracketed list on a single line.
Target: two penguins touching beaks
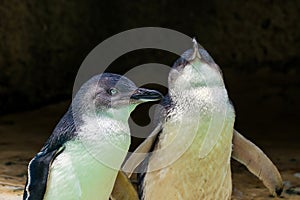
[(187, 156)]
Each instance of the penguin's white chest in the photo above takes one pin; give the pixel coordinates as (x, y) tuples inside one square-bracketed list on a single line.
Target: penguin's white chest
[(195, 173), (82, 170)]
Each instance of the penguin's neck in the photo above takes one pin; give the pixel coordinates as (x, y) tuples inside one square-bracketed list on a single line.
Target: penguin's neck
[(104, 129), (197, 119), (204, 101), (120, 114)]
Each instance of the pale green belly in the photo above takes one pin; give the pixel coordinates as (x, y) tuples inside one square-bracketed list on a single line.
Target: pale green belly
[(76, 174), (190, 177)]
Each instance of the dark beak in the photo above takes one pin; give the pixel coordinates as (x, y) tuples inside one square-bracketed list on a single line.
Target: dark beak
[(143, 95)]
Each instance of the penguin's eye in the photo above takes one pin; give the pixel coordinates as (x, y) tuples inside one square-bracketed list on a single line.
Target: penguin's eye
[(112, 91)]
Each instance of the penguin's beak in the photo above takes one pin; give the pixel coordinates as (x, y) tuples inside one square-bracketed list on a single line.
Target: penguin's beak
[(144, 95)]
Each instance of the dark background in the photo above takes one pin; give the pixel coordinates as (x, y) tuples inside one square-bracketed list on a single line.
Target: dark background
[(256, 44)]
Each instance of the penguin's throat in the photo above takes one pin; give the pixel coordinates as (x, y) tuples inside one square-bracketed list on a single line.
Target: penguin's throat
[(206, 101), (197, 74), (104, 130), (119, 114)]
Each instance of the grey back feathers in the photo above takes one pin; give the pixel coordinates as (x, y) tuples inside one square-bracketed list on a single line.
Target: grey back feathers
[(39, 166)]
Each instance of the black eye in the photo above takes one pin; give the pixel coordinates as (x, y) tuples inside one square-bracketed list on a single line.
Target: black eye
[(112, 91)]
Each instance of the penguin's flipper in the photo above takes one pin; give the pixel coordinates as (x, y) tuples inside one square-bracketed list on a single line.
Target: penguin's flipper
[(38, 170), (123, 189), (141, 152), (257, 163)]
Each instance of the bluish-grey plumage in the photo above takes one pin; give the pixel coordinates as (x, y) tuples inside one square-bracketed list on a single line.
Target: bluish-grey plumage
[(67, 166)]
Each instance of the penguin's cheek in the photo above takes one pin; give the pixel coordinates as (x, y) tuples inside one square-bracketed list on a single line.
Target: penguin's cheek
[(119, 103), (102, 103)]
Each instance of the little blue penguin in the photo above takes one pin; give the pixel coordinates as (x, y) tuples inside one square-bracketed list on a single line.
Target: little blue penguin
[(81, 158), (188, 154)]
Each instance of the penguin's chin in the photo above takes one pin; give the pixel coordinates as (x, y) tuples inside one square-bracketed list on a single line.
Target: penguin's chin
[(120, 113)]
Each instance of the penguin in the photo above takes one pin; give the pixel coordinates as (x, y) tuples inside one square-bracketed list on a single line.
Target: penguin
[(190, 149), (81, 158)]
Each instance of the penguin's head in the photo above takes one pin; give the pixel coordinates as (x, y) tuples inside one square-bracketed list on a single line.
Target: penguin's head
[(109, 92), (194, 69)]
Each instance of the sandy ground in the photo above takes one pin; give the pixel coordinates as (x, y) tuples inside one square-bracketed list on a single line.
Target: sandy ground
[(23, 134)]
